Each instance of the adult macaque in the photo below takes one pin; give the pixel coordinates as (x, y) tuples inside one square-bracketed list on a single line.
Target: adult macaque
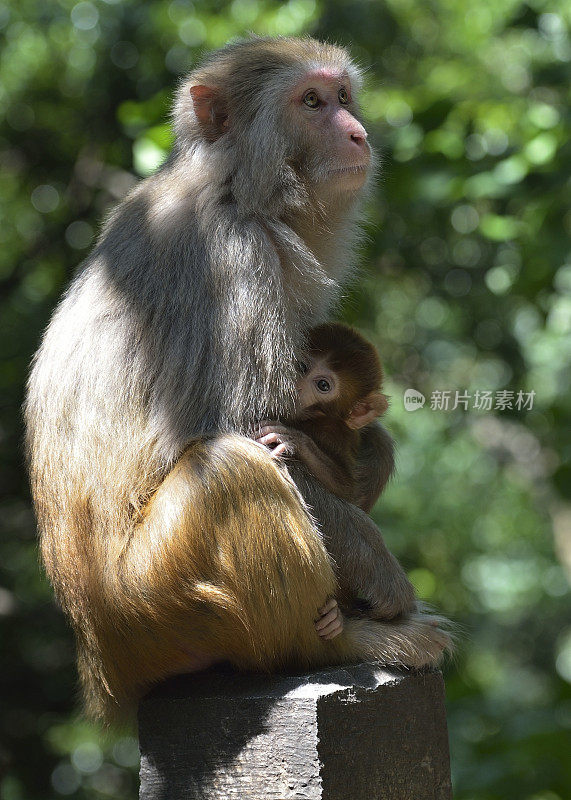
[(339, 396), (172, 539)]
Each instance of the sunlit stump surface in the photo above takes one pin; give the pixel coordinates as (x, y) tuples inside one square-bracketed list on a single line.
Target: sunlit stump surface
[(355, 733)]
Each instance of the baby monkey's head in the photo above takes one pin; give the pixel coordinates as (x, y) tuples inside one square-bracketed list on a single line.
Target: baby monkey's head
[(341, 377)]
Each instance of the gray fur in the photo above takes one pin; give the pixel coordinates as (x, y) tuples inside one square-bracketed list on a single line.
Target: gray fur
[(187, 247)]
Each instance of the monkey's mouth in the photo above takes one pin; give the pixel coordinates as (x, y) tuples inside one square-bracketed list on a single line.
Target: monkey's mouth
[(350, 178), (355, 169)]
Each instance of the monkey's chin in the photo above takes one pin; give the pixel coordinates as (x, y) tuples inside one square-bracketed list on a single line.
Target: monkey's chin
[(346, 179)]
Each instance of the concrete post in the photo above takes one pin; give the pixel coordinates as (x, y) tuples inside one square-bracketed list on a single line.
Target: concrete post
[(352, 733)]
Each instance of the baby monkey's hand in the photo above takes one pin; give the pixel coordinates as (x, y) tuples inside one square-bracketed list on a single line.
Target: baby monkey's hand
[(277, 437), (330, 622)]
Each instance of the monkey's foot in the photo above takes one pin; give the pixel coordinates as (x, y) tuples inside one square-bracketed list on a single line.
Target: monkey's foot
[(414, 641), (429, 639)]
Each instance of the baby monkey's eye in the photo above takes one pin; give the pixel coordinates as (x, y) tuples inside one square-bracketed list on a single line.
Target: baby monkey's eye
[(323, 385), (301, 368), (343, 96), (311, 99)]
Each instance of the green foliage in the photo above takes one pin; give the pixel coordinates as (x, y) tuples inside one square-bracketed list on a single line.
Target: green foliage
[(466, 287)]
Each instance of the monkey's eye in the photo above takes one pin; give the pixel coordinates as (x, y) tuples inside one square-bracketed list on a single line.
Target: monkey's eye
[(301, 367), (323, 386), (311, 99), (343, 96)]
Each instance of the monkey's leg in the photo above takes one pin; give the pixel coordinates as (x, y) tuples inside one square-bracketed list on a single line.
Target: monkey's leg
[(226, 565), (269, 567), (365, 568)]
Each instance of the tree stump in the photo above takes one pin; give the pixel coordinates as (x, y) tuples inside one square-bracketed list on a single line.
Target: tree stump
[(351, 733)]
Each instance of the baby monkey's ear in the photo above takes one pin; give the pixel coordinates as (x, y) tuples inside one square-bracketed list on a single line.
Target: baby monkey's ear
[(367, 409)]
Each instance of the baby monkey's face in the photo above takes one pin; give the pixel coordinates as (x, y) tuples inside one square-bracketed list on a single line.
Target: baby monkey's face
[(323, 391), (317, 384)]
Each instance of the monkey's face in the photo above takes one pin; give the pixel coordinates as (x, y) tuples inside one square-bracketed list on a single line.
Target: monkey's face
[(317, 386), (333, 147), (281, 117)]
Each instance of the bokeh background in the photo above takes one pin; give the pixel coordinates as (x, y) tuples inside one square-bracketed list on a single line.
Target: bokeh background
[(466, 286)]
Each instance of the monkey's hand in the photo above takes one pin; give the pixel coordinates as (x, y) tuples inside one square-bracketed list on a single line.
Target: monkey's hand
[(293, 442), (330, 622), (279, 438)]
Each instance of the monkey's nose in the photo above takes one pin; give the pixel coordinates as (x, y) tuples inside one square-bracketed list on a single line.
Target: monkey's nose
[(358, 139), (358, 135)]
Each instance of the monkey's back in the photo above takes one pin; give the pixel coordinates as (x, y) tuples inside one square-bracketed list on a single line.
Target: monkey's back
[(155, 342)]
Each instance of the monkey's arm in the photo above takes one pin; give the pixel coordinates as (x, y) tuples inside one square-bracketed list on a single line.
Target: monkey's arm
[(293, 442), (375, 465), (364, 566)]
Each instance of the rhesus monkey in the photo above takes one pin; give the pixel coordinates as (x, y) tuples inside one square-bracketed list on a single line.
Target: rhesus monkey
[(339, 396), (172, 539)]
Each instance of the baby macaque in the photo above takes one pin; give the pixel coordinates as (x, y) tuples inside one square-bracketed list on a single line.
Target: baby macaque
[(339, 395)]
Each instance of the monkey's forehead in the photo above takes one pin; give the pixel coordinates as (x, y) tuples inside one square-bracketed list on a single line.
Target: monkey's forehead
[(329, 76), (273, 58)]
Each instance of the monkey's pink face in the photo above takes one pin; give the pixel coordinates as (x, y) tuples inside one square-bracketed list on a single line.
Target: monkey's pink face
[(323, 116)]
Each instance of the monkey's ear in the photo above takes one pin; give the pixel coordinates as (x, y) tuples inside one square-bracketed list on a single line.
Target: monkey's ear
[(367, 410), (210, 110)]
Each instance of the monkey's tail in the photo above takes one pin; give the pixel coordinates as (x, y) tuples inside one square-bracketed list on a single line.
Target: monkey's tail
[(415, 641)]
